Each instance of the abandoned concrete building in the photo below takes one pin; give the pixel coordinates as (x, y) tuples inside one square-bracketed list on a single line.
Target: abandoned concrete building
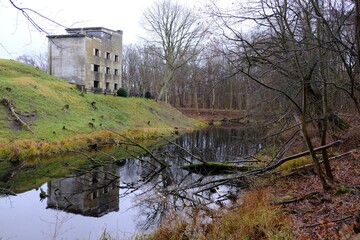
[(90, 57)]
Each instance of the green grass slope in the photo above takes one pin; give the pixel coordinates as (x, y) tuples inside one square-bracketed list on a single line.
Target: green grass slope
[(40, 99)]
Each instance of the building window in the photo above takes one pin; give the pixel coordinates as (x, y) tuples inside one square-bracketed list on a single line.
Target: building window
[(116, 72), (96, 68), (107, 86), (116, 58), (115, 86), (107, 55), (96, 52), (96, 84), (107, 70)]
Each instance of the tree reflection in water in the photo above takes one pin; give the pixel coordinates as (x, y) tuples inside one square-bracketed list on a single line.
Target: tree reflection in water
[(159, 191)]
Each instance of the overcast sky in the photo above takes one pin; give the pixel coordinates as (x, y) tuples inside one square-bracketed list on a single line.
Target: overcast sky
[(18, 37)]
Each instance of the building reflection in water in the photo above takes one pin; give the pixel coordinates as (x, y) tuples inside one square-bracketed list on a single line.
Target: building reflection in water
[(93, 193)]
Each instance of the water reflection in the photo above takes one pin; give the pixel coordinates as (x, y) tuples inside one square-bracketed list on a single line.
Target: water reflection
[(93, 193), (157, 190), (160, 191), (223, 144), (153, 192)]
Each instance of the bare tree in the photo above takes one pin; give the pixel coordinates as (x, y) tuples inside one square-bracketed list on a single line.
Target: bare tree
[(141, 70), (290, 51), (31, 15), (175, 34), (36, 60)]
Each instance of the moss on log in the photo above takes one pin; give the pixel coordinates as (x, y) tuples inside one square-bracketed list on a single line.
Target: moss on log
[(213, 168)]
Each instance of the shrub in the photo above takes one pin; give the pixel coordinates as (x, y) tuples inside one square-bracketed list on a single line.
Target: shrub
[(148, 95), (122, 92)]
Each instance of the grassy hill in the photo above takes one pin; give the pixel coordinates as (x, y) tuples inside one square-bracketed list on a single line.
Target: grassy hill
[(63, 118)]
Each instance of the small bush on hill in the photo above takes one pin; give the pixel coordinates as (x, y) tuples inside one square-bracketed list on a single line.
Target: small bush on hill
[(148, 95), (122, 92)]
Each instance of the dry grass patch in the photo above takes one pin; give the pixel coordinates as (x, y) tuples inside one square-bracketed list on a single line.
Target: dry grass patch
[(253, 218)]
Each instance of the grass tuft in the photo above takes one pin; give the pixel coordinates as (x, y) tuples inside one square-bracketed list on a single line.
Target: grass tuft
[(254, 218)]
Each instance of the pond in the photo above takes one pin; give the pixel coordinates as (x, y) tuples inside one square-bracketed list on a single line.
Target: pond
[(131, 196)]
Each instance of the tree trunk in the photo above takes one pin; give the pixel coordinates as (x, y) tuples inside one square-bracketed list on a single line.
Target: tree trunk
[(169, 73), (357, 28), (307, 139), (323, 123), (7, 103), (231, 95), (213, 100), (196, 100)]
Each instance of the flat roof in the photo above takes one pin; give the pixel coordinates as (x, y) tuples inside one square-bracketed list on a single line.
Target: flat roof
[(67, 36), (93, 28), (81, 32)]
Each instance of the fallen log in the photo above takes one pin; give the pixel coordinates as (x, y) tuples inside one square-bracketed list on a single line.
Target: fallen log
[(301, 154), (7, 103), (4, 191), (296, 199), (213, 168), (330, 221)]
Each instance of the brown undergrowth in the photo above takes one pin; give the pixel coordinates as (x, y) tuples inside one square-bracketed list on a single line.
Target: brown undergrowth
[(318, 214)]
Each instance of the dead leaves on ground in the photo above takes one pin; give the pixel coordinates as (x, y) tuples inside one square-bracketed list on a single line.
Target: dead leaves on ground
[(332, 215)]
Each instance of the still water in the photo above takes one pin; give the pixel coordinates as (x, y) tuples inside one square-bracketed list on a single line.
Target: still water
[(128, 198)]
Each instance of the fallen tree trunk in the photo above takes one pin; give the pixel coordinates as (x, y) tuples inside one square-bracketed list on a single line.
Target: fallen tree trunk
[(243, 175), (218, 168), (214, 168), (296, 199), (7, 103), (283, 160)]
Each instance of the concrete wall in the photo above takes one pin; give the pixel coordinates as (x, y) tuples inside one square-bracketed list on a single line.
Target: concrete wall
[(90, 57), (67, 60)]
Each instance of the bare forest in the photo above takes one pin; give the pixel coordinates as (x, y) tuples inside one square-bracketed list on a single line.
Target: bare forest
[(279, 59), (260, 55)]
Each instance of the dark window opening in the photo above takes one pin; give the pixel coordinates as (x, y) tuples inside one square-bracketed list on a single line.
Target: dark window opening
[(116, 72), (94, 195), (95, 177), (115, 86), (97, 52), (107, 86), (107, 55), (96, 68), (96, 84), (116, 58), (107, 70)]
